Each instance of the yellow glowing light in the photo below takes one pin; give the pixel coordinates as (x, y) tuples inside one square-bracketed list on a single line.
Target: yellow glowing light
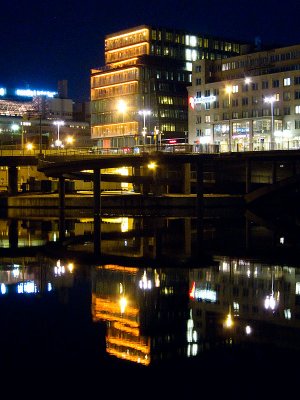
[(122, 106), (140, 44), (128, 270), (123, 304), (124, 84), (124, 62), (112, 38), (69, 139), (118, 73), (228, 89), (70, 267), (29, 146), (152, 165), (229, 321)]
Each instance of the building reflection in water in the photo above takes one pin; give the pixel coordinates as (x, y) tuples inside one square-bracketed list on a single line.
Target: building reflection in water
[(260, 300), (151, 325), (161, 312)]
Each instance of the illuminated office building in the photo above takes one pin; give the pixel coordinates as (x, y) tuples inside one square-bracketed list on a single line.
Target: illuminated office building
[(247, 102), (140, 95)]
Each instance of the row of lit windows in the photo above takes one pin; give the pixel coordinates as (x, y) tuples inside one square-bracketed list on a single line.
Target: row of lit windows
[(126, 53), (173, 113), (168, 127), (255, 85), (111, 105), (243, 114), (177, 101), (259, 126), (107, 79), (127, 39), (260, 61), (194, 41), (117, 90)]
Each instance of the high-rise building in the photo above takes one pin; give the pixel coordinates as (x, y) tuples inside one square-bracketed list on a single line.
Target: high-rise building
[(140, 95)]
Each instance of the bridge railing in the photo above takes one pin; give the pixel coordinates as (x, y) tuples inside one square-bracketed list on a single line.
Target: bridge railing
[(149, 148)]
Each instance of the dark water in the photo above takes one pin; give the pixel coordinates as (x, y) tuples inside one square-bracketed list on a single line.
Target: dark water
[(140, 305)]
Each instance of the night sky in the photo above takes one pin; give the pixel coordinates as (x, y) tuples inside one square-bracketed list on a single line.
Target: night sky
[(43, 42)]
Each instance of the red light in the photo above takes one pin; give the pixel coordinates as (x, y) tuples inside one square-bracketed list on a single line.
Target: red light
[(172, 141), (192, 102)]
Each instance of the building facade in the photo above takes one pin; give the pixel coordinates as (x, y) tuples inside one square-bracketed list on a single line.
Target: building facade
[(27, 117), (140, 95), (247, 102)]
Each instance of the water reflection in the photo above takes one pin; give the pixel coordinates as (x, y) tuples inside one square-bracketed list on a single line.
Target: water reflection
[(152, 296)]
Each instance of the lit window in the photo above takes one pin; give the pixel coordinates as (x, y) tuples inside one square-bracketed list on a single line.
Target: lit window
[(193, 41), (286, 81)]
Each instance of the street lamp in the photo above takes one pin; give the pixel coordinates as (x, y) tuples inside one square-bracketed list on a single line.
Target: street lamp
[(271, 100), (58, 142), (144, 113)]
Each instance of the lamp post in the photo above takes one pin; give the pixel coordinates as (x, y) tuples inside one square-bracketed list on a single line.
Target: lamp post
[(144, 113), (228, 90), (58, 142), (271, 100)]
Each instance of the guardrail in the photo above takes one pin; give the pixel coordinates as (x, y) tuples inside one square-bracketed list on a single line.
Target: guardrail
[(83, 151), (147, 148)]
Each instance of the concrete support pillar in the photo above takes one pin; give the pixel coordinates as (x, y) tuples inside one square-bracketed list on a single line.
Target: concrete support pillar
[(13, 234), (97, 191), (12, 180), (187, 178), (62, 193), (137, 186)]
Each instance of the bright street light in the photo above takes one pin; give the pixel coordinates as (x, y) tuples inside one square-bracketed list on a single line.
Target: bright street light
[(58, 142), (144, 113), (29, 146), (69, 140)]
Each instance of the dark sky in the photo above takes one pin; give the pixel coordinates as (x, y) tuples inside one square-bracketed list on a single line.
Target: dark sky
[(43, 42)]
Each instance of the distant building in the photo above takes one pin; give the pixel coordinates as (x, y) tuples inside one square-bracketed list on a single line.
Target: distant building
[(28, 116), (148, 70), (247, 102)]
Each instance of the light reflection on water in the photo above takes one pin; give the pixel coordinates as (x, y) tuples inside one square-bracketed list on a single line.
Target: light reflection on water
[(182, 307)]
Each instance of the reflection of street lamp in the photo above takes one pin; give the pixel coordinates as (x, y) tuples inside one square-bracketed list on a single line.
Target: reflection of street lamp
[(228, 323), (58, 142), (144, 113), (271, 100), (228, 90)]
